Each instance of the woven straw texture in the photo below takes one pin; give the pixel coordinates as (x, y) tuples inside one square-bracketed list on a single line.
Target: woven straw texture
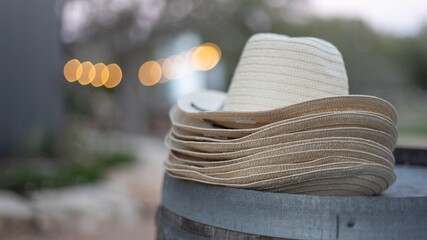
[(290, 70), (287, 124)]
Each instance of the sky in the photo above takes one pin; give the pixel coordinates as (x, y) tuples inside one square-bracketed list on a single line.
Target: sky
[(397, 17)]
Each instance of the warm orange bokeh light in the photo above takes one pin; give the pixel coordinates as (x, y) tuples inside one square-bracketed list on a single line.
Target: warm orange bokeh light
[(205, 57), (150, 73), (72, 70), (88, 73), (201, 58), (115, 75), (101, 76)]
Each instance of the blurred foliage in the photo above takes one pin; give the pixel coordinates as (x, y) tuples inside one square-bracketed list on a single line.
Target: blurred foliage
[(36, 174), (131, 32), (80, 155), (76, 104), (373, 60)]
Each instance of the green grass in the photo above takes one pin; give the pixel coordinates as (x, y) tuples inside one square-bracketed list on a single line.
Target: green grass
[(29, 177)]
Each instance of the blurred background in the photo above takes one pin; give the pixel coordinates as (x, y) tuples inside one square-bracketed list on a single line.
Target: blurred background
[(86, 85)]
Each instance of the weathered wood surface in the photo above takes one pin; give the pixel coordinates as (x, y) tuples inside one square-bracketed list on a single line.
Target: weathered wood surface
[(199, 211), (173, 226)]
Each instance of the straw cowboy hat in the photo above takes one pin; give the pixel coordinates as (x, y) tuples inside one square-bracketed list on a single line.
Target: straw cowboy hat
[(279, 76), (287, 124)]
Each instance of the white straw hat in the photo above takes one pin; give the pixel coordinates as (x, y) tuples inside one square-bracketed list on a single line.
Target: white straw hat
[(281, 77), (287, 124)]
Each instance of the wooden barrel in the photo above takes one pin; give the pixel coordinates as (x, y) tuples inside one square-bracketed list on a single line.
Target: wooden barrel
[(193, 210)]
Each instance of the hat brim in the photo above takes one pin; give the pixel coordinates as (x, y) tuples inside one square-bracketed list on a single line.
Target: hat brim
[(296, 146), (380, 137), (291, 178), (283, 155), (317, 186), (245, 175), (207, 105), (195, 129), (285, 158)]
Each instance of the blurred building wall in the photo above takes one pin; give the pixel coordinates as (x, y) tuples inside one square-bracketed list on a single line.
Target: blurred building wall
[(30, 73)]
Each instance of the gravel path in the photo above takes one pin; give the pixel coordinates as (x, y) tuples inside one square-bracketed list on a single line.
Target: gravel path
[(142, 181)]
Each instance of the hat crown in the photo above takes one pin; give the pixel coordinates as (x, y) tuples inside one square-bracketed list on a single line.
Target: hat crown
[(276, 71)]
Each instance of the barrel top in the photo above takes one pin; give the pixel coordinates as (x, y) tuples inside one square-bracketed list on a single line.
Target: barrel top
[(399, 213)]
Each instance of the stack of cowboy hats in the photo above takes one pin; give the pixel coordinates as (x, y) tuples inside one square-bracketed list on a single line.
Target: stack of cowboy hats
[(287, 124)]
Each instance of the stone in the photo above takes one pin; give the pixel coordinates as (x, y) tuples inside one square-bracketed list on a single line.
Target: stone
[(15, 213), (83, 209)]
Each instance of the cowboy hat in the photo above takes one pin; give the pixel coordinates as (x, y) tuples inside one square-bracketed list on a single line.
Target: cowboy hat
[(287, 124), (281, 77)]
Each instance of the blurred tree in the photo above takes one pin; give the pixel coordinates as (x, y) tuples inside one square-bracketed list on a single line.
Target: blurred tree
[(418, 58), (149, 24), (132, 32)]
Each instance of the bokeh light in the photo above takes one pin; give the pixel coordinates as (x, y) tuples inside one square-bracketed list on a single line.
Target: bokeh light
[(101, 76), (200, 58), (205, 57), (180, 66), (115, 76), (174, 67), (88, 73), (72, 70), (188, 56), (168, 68), (150, 73)]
